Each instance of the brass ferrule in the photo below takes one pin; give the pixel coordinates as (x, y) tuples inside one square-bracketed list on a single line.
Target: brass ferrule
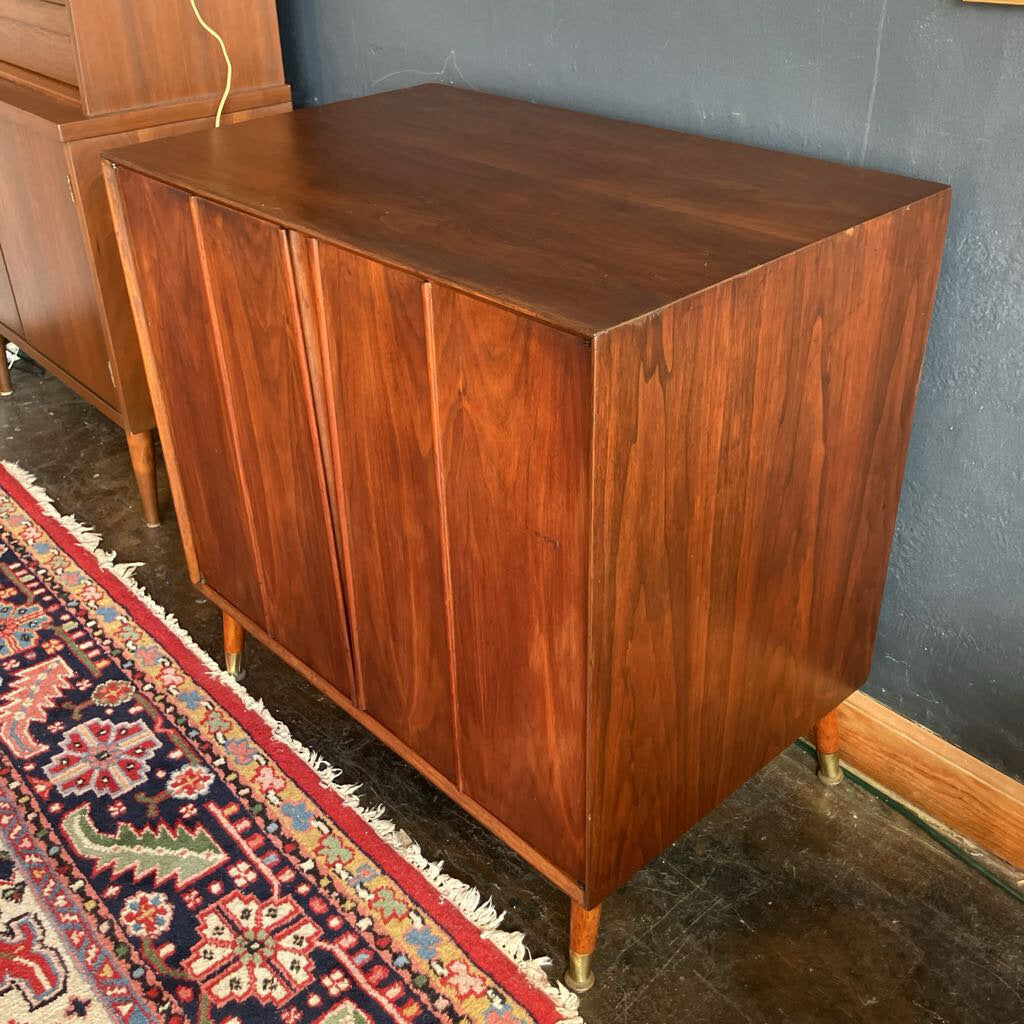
[(579, 977), (829, 771), (233, 663)]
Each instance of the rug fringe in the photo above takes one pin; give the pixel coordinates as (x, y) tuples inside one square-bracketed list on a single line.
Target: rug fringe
[(469, 901)]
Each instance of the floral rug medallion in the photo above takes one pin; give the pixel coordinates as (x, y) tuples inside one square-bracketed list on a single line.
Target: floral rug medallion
[(169, 855)]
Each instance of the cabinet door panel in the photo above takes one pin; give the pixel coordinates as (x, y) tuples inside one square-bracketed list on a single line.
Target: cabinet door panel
[(182, 363), (378, 391), (47, 258), (262, 361), (514, 410)]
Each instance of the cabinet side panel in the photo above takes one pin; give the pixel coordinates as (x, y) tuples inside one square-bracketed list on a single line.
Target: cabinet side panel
[(749, 448), (182, 363), (514, 414), (256, 324), (375, 359)]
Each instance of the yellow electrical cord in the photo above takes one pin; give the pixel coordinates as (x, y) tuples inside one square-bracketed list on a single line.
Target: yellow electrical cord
[(227, 60)]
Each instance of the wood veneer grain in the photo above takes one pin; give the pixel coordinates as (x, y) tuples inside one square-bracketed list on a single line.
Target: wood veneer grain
[(256, 324), (166, 272), (36, 35), (9, 315), (83, 157), (514, 418), (53, 286), (94, 73), (598, 221), (643, 420), (566, 883), (125, 61), (378, 392), (748, 451)]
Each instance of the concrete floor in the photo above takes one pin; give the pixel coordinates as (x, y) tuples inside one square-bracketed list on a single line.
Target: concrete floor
[(789, 903)]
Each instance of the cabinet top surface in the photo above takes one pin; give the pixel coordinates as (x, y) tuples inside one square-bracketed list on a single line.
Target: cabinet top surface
[(583, 222)]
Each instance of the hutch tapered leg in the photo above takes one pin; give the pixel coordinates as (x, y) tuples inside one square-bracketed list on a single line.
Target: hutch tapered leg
[(234, 640), (826, 739), (140, 448), (5, 373), (582, 941)]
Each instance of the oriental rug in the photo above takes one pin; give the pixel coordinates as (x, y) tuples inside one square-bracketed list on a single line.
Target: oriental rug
[(168, 854)]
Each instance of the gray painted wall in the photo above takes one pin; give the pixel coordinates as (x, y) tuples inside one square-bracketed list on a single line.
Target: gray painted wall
[(933, 88)]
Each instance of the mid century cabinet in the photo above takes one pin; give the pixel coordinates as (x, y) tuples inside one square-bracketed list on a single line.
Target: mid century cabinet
[(76, 77), (563, 453)]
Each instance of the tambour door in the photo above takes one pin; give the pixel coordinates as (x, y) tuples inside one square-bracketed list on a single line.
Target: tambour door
[(378, 394), (226, 358)]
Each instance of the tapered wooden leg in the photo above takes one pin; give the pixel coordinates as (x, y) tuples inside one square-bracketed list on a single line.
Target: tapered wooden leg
[(234, 640), (5, 372), (582, 940), (826, 739), (140, 448)]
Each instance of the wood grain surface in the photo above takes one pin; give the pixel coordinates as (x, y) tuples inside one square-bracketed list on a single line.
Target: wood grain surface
[(583, 929), (566, 883), (378, 397), (92, 73), (83, 158), (261, 359), (233, 633), (827, 734), (931, 774), (192, 407), (535, 208), (142, 53), (748, 454), (143, 459), (36, 34), (47, 258), (613, 425), (9, 315), (514, 411)]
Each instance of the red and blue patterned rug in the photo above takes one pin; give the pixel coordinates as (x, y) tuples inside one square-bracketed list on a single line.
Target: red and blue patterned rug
[(169, 855)]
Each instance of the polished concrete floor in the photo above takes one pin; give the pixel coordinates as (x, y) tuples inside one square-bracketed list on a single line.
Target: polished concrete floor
[(789, 903)]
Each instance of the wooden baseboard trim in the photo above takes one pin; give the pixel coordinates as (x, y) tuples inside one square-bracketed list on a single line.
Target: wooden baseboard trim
[(932, 775)]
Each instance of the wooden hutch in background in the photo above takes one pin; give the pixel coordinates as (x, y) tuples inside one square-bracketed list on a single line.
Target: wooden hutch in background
[(78, 77)]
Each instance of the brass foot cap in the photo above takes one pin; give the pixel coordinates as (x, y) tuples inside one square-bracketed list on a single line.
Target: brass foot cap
[(829, 771), (579, 987), (6, 394), (152, 526), (233, 664), (579, 977)]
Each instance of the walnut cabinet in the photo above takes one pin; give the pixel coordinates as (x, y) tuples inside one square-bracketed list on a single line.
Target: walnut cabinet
[(562, 453), (77, 77)]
